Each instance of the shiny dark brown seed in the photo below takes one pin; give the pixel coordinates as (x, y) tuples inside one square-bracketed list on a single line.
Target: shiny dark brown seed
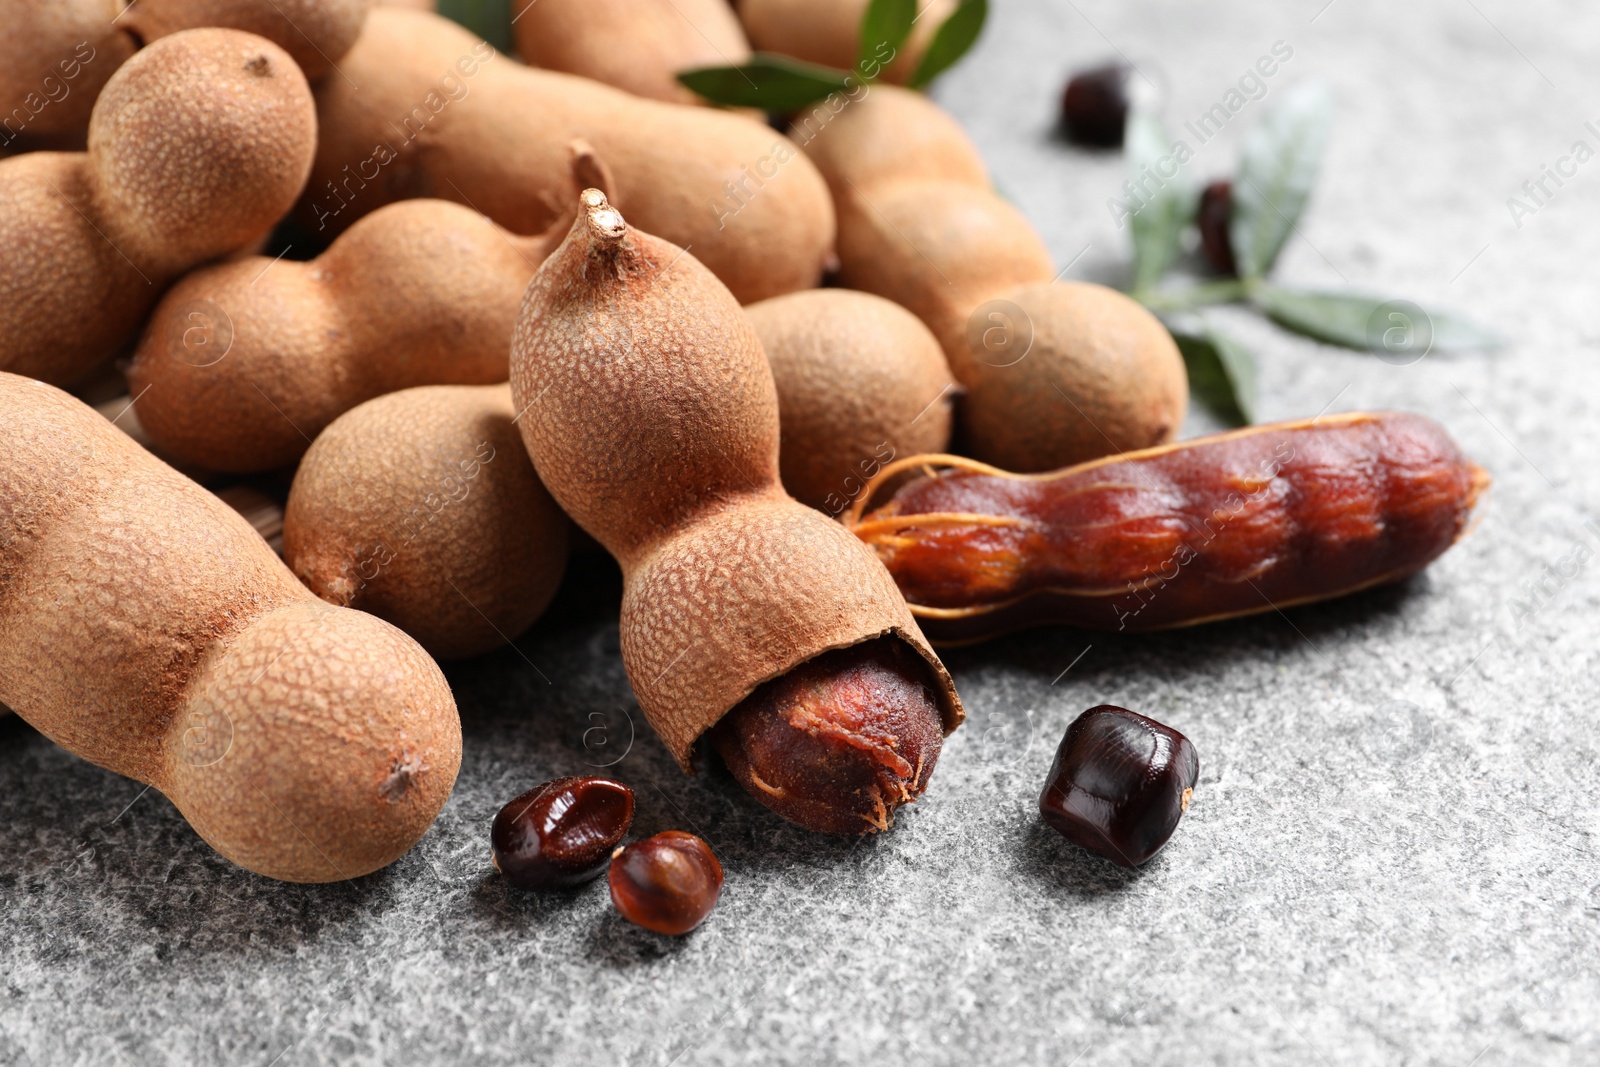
[(840, 742), (667, 883), (1119, 784), (1094, 107), (1214, 218), (562, 833)]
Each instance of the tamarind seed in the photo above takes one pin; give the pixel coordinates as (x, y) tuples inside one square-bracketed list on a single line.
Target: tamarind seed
[(667, 883), (1094, 107), (840, 742), (561, 833), (1214, 216), (1119, 784)]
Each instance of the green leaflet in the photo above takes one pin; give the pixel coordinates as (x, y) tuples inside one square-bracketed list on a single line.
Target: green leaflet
[(1158, 222), (885, 23), (1276, 175), (1222, 372), (1398, 330), (489, 19), (769, 82), (952, 41)]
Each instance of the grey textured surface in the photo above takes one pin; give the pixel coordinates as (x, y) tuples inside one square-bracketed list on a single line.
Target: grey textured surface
[(1358, 881)]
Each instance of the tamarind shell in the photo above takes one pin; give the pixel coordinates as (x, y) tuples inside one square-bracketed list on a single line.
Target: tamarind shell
[(147, 628), (729, 582)]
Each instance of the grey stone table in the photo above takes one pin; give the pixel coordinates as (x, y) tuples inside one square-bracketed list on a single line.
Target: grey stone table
[(1392, 856)]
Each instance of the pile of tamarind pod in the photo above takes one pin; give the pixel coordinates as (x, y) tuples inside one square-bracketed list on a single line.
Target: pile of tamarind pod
[(147, 628), (427, 109), (198, 145), (729, 582), (1249, 521), (56, 57)]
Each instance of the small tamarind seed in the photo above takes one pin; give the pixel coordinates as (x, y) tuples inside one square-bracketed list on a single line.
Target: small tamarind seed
[(1213, 218), (1094, 107), (561, 833), (1119, 784), (667, 883), (840, 742)]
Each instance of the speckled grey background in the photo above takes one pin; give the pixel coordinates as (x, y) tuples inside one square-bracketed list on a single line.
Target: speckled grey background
[(1358, 881)]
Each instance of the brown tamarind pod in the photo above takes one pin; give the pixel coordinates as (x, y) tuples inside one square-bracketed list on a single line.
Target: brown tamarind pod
[(422, 508), (197, 146), (145, 627), (636, 45), (860, 381), (1055, 373), (1234, 524), (730, 582), (429, 110)]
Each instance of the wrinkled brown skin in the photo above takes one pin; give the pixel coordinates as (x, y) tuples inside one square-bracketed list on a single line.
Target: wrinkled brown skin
[(244, 363), (422, 508), (1233, 524), (838, 743), (198, 145), (635, 45), (829, 31), (56, 56), (860, 381), (920, 225), (729, 582), (497, 138), (147, 628)]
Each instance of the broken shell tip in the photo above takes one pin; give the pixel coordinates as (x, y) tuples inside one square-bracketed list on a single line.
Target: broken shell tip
[(605, 221)]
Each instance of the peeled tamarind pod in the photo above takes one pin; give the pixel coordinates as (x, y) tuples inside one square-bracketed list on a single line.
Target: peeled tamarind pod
[(198, 145), (56, 56), (147, 628), (1055, 373), (440, 113), (244, 363), (422, 508), (730, 582), (829, 32), (636, 45), (1238, 523), (860, 381)]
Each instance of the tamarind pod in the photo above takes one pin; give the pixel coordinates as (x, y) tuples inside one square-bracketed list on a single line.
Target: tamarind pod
[(1234, 524), (440, 113), (147, 628), (636, 45), (829, 32), (730, 583)]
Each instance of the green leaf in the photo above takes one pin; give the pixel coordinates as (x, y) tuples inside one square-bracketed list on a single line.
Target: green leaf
[(951, 42), (1276, 174), (1222, 373), (1157, 224), (489, 19), (886, 22), (1398, 330), (769, 82)]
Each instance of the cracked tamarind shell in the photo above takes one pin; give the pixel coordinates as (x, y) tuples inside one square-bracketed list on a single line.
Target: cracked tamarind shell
[(651, 415), (145, 627), (422, 508)]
